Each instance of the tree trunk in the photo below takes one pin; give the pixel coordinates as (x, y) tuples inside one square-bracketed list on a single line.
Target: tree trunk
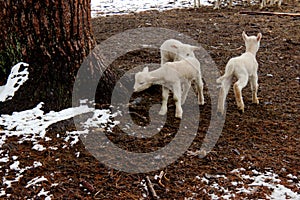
[(53, 37)]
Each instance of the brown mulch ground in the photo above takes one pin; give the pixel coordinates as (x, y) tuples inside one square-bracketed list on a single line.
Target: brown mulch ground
[(264, 137)]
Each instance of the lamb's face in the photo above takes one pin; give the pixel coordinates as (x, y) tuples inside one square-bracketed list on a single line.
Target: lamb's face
[(185, 51), (141, 81)]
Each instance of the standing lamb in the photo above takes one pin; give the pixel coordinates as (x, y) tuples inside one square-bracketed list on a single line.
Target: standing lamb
[(244, 67), (175, 76), (174, 50)]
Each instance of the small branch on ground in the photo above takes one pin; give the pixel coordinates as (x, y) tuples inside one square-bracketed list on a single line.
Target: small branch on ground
[(270, 13), (151, 188)]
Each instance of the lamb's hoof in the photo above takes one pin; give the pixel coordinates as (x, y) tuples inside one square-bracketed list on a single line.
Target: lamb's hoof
[(201, 103), (162, 112), (220, 113), (255, 101), (241, 111), (178, 116)]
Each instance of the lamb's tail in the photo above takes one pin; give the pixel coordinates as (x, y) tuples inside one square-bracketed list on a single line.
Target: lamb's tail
[(228, 72)]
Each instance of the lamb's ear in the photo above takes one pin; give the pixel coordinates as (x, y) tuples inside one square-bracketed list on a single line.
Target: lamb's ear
[(259, 36), (174, 46), (244, 36), (146, 69), (194, 48)]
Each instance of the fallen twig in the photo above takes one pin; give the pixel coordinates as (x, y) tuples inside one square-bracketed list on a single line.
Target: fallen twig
[(201, 153), (87, 185), (151, 188), (162, 176), (270, 13)]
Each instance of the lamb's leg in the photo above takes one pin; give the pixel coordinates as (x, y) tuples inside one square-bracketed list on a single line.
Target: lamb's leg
[(263, 4), (165, 96), (223, 94), (177, 99), (186, 85), (230, 4), (195, 3), (279, 3), (237, 88), (254, 88), (217, 4), (199, 84)]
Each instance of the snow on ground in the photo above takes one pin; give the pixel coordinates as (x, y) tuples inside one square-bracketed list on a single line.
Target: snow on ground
[(250, 182), (31, 126), (14, 81), (113, 7)]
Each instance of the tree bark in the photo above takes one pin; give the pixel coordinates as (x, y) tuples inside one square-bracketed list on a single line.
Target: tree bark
[(53, 37)]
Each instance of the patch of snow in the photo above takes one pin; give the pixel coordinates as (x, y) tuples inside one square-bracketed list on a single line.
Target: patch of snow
[(31, 126), (238, 170), (54, 184), (53, 148), (267, 179), (100, 118), (291, 176), (2, 192), (4, 159), (205, 180), (35, 181), (39, 147), (15, 79), (37, 164), (15, 166), (44, 193), (114, 7)]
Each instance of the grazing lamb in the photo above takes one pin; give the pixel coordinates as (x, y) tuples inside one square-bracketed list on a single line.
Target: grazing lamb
[(175, 76), (244, 67), (174, 50)]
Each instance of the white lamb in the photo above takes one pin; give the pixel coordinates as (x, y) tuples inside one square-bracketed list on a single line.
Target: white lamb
[(175, 76), (244, 67), (174, 50)]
